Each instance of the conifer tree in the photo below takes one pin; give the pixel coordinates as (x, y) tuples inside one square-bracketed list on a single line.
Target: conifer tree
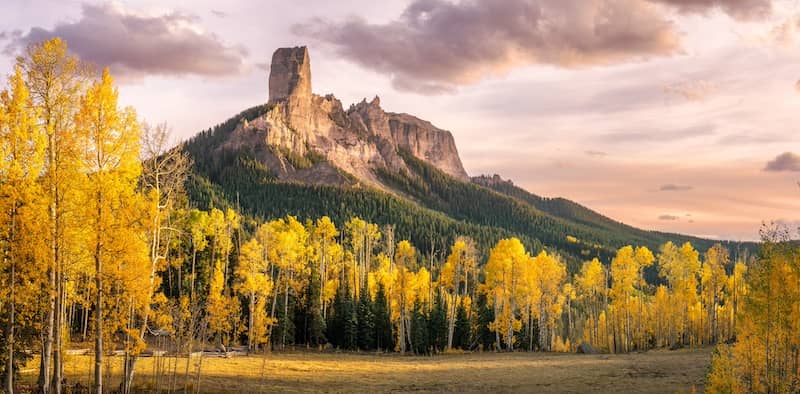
[(461, 333), (314, 309), (383, 321), (420, 331), (366, 322), (438, 326)]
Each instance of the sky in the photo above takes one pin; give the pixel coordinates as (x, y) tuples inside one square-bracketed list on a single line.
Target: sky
[(670, 115)]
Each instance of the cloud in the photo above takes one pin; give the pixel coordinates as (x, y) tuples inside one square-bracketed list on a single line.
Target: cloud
[(658, 135), (786, 161), (219, 14), (133, 44), (785, 33), (596, 153), (752, 138), (434, 46), (668, 217), (675, 188), (697, 90), (738, 9), (797, 85)]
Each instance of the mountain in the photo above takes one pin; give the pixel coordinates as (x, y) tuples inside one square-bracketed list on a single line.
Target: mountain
[(304, 154), (312, 139)]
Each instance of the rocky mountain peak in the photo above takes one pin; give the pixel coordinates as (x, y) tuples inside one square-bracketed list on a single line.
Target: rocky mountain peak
[(359, 141), (290, 74)]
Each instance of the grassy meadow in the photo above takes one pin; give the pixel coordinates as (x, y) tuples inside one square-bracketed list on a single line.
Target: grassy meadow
[(648, 372)]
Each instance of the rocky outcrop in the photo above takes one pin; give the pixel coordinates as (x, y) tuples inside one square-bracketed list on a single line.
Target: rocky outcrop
[(358, 141)]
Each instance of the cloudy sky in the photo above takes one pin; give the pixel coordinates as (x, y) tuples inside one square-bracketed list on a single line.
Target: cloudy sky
[(674, 115)]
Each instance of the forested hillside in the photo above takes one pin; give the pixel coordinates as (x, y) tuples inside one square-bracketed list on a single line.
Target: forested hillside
[(427, 205), (574, 212)]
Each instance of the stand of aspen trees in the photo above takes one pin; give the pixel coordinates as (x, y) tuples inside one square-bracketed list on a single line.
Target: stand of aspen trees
[(100, 247)]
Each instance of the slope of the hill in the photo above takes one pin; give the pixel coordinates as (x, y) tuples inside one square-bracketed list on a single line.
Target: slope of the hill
[(574, 212)]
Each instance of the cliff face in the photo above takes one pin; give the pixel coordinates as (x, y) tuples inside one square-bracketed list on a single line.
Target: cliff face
[(358, 140)]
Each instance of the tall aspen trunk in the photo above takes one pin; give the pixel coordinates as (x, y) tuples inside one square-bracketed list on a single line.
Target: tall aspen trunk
[(98, 281), (98, 328), (497, 332), (9, 383), (58, 336), (569, 317), (285, 314), (194, 260), (451, 323), (47, 348)]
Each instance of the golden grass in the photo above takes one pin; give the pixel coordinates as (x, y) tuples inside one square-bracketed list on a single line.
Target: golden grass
[(651, 372)]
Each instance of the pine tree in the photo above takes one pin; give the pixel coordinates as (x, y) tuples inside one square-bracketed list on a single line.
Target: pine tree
[(484, 317), (285, 321), (315, 321), (350, 322), (366, 322), (383, 321), (335, 324), (461, 332), (343, 326), (420, 331), (438, 326)]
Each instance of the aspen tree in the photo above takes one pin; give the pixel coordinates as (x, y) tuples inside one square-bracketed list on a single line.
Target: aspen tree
[(22, 147), (255, 283), (713, 280), (627, 291), (591, 287), (504, 272), (454, 278), (548, 274), (56, 81), (402, 292), (680, 266), (163, 176), (111, 167)]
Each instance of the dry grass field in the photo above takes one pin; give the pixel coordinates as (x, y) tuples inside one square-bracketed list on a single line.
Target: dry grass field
[(651, 372)]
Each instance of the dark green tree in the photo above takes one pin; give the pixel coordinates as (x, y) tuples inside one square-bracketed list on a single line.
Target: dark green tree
[(461, 333), (315, 322), (366, 322), (286, 322), (420, 333), (336, 319), (383, 321), (437, 326), (350, 329), (483, 317)]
